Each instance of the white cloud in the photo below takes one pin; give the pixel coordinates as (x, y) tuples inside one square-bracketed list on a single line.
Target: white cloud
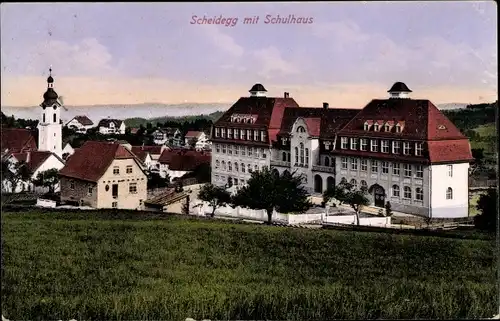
[(223, 41), (272, 62)]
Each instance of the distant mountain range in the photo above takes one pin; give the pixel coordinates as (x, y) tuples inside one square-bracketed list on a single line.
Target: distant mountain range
[(147, 111)]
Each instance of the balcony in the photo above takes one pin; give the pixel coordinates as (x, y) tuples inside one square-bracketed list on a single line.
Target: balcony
[(326, 169), (275, 162)]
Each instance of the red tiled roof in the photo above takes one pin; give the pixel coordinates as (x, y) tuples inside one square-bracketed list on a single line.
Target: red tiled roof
[(84, 120), (420, 119), (313, 126), (166, 155), (34, 159), (91, 161), (17, 140), (193, 133), (154, 150), (189, 160), (105, 122), (442, 151), (140, 153), (270, 111)]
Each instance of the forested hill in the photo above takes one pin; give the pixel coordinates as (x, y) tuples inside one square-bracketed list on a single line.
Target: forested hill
[(473, 116), (137, 122)]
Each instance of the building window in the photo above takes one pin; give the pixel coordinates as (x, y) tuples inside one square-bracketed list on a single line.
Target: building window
[(289, 157), (230, 133), (387, 127), (89, 191), (230, 166), (418, 149), (255, 135), (344, 142), (374, 145), (385, 167), (396, 146), (262, 135), (217, 164), (230, 149), (283, 156), (354, 143), (242, 134), (366, 126), (223, 130), (249, 151), (256, 168), (217, 132), (396, 169), (364, 144), (237, 133), (374, 166), (407, 192), (106, 188), (419, 171), (354, 183), (375, 127), (129, 169), (243, 150), (296, 155), (354, 164), (54, 118), (450, 170), (236, 150), (344, 162), (116, 170), (256, 152), (419, 194), (307, 156), (398, 128), (114, 204), (327, 161), (364, 165), (242, 167), (407, 170), (385, 146), (43, 118), (301, 153), (406, 148), (217, 148), (249, 167), (72, 185), (395, 190), (449, 193), (301, 129), (364, 185), (249, 134), (223, 165), (132, 188), (223, 148), (236, 168)]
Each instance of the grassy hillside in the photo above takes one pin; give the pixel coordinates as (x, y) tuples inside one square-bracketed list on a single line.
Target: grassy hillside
[(486, 138), (93, 265), (136, 122)]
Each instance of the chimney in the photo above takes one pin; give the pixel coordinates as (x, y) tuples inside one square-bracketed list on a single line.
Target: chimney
[(325, 105), (286, 95)]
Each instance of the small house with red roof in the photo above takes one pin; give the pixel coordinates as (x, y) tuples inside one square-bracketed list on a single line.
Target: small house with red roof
[(167, 136), (200, 139), (80, 123), (400, 150), (103, 175), (149, 155), (176, 163), (37, 162)]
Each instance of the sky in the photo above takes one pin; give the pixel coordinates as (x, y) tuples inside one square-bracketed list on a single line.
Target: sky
[(347, 54)]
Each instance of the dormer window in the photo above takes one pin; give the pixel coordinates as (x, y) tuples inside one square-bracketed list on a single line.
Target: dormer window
[(366, 126), (387, 127), (398, 128), (249, 134), (375, 127), (237, 120), (223, 132), (236, 133), (217, 132), (230, 133), (344, 142), (249, 120), (418, 149), (354, 143), (262, 135)]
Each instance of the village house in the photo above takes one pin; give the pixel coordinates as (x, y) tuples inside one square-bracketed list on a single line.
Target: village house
[(149, 155), (36, 162), (103, 175), (200, 138), (175, 163), (167, 136), (399, 149), (111, 126), (80, 123)]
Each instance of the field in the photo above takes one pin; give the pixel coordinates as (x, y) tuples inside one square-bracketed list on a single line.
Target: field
[(109, 265), (487, 139)]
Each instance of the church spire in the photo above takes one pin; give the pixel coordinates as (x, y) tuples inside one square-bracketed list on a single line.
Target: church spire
[(50, 95)]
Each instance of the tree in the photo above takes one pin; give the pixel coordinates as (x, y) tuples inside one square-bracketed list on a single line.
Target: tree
[(216, 196), (48, 178), (388, 209), (487, 205), (347, 193), (268, 190), (14, 173), (478, 154), (156, 181)]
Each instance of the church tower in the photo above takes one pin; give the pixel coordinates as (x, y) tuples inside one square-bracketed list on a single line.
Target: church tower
[(49, 126)]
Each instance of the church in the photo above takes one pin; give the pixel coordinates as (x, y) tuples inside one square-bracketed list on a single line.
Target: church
[(19, 145)]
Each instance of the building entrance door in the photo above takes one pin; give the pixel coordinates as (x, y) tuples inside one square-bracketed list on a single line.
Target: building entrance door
[(379, 196)]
